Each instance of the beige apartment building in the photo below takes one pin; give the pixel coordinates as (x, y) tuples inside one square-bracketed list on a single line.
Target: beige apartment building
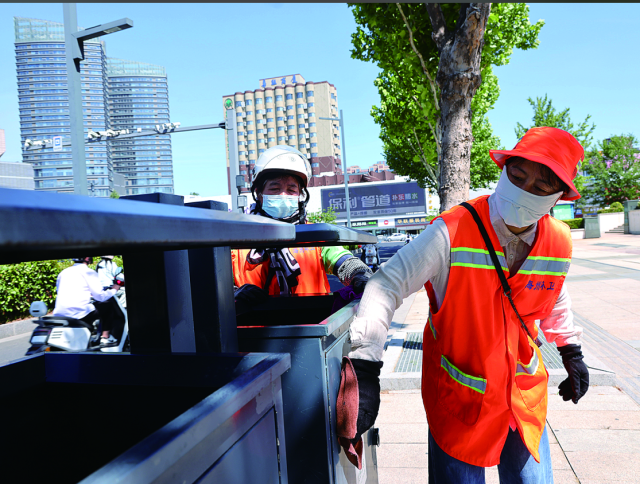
[(285, 110)]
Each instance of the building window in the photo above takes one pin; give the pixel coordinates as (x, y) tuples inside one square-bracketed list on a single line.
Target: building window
[(300, 116), (301, 125), (314, 145), (291, 127), (269, 120), (309, 93), (299, 95), (278, 97), (269, 110), (280, 108), (312, 115), (280, 118), (310, 105), (249, 123), (252, 152), (313, 135), (312, 124), (280, 128), (252, 142), (271, 140), (261, 151), (290, 116), (258, 101), (270, 130), (249, 102), (249, 113), (290, 108), (282, 138), (300, 106), (261, 131), (243, 172), (292, 137), (315, 165), (238, 104), (314, 155), (289, 96), (250, 131), (269, 99)]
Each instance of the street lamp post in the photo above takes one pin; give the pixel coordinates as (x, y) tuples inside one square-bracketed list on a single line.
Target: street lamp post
[(74, 48), (344, 166)]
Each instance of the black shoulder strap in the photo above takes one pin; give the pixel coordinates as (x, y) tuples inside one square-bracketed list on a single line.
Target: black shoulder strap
[(494, 258)]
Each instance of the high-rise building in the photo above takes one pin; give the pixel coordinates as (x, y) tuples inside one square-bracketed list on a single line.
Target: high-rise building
[(44, 112), (138, 98), (285, 111)]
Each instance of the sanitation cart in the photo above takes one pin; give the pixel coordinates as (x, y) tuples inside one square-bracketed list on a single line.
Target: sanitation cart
[(184, 406), (304, 327)]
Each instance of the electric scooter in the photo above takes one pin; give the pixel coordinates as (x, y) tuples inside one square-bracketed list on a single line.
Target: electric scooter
[(60, 333)]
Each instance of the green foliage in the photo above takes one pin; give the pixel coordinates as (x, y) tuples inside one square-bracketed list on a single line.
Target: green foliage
[(614, 169), (574, 223), (114, 194), (544, 114), (409, 99), (21, 284), (614, 208), (195, 194), (327, 216)]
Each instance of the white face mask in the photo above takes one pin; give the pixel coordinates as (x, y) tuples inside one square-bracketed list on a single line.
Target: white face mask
[(280, 206), (519, 208)]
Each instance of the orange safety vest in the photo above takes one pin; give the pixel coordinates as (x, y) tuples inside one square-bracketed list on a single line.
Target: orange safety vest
[(312, 278), (479, 365)]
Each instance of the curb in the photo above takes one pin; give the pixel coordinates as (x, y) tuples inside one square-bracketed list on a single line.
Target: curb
[(15, 329), (392, 381)]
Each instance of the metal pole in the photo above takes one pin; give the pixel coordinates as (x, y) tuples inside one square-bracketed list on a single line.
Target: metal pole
[(232, 136), (74, 89), (344, 171)]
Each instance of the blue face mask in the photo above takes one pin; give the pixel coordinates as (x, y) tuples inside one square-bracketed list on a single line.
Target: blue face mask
[(280, 206)]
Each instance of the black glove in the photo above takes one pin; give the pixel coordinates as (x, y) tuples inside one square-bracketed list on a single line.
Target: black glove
[(574, 387), (359, 280), (368, 375), (249, 295)]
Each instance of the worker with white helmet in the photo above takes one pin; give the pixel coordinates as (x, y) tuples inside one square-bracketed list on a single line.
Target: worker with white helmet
[(279, 188)]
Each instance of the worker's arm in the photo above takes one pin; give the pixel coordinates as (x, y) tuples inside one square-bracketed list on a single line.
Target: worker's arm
[(95, 286), (559, 326), (349, 269), (405, 273)]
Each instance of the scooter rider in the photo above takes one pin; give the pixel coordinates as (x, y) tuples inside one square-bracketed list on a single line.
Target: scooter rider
[(279, 189), (75, 287), (107, 270)]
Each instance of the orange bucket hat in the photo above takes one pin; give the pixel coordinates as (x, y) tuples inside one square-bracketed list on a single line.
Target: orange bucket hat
[(552, 147)]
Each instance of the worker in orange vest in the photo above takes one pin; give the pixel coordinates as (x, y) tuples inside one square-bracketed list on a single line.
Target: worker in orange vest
[(491, 267)]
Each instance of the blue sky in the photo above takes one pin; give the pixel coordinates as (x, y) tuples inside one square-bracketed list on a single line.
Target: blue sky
[(587, 61)]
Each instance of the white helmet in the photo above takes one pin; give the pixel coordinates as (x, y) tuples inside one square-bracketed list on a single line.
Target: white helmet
[(282, 159)]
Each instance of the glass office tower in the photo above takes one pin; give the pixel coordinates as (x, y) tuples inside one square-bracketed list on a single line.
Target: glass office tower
[(138, 100), (44, 105)]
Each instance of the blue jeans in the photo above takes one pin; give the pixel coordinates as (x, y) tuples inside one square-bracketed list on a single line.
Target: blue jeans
[(517, 465)]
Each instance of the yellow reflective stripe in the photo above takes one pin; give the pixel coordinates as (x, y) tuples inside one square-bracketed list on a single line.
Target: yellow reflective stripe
[(476, 266), (539, 257), (433, 330), (470, 249), (543, 273), (477, 384)]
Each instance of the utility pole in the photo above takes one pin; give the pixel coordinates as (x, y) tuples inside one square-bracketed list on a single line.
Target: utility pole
[(74, 48), (344, 166)]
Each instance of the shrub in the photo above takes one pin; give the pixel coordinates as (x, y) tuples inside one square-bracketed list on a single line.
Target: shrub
[(21, 284), (574, 223), (613, 208)]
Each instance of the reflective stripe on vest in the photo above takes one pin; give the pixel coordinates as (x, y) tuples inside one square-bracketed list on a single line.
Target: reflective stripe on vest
[(475, 258), (529, 369), (475, 383), (545, 266), (433, 330)]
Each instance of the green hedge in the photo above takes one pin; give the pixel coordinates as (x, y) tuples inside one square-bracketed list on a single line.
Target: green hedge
[(574, 223), (615, 207)]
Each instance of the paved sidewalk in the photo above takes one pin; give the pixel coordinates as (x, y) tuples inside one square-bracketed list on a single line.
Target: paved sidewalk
[(596, 441)]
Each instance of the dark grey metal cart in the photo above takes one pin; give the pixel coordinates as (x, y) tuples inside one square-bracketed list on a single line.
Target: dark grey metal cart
[(185, 406), (316, 339)]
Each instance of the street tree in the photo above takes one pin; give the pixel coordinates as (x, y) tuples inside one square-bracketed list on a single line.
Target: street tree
[(114, 194), (614, 169), (436, 86), (327, 216), (545, 114)]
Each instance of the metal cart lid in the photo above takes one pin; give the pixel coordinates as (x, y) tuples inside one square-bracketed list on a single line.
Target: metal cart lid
[(45, 226)]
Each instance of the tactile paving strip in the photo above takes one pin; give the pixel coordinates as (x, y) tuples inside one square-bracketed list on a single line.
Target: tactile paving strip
[(411, 357)]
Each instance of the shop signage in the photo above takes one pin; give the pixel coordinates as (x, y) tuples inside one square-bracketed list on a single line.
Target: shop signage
[(375, 200), (364, 223), (411, 221)]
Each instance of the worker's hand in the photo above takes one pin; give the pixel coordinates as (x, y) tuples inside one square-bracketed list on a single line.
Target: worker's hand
[(574, 387), (368, 375), (249, 295), (116, 287), (359, 281)]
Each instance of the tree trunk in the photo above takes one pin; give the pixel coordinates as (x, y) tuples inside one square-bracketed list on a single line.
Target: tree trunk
[(458, 78)]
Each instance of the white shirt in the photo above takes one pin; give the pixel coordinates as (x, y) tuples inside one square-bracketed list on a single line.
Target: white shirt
[(76, 285), (107, 270), (428, 258)]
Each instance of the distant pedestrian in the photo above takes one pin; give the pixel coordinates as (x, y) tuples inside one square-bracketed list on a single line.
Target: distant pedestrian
[(491, 268)]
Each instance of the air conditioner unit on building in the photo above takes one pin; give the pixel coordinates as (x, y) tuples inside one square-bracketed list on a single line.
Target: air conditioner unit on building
[(306, 135), (308, 155), (305, 105), (306, 125), (244, 124), (308, 145), (306, 115)]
